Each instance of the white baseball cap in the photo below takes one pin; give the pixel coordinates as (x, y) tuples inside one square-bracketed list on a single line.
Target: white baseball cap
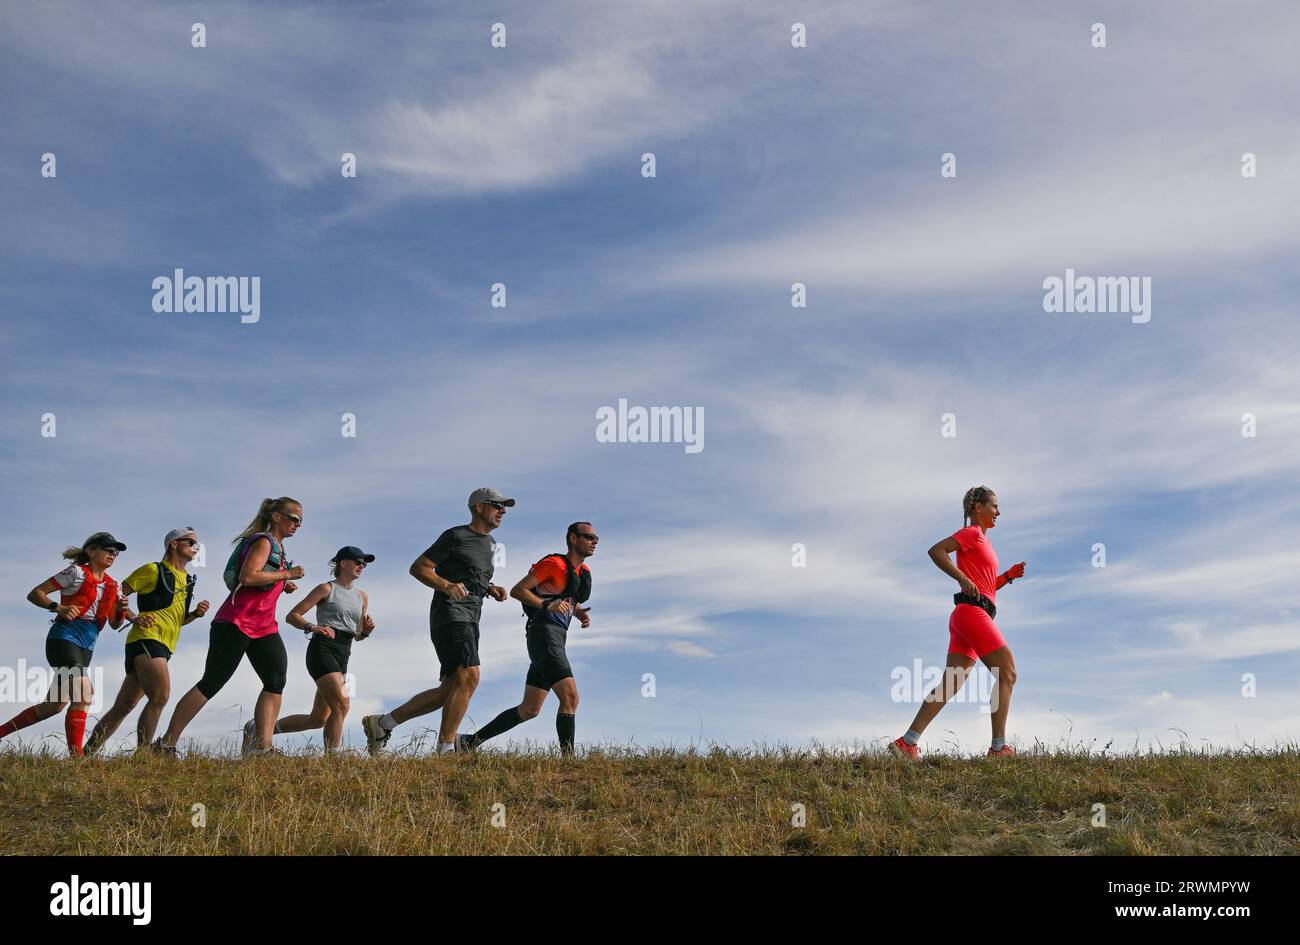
[(178, 533)]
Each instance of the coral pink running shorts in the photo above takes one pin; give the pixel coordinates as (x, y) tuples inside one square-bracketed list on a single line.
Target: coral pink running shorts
[(971, 631)]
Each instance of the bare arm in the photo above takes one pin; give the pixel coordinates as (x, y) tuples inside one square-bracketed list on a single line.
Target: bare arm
[(196, 613), (939, 553), (40, 594), (297, 616), (367, 626), (120, 611), (523, 592), (426, 572), (252, 575)]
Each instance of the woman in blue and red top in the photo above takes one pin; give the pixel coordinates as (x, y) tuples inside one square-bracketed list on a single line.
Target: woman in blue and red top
[(972, 633), (89, 598)]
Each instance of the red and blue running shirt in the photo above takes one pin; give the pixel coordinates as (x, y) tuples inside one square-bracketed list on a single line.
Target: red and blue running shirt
[(552, 576), (97, 599), (977, 560)]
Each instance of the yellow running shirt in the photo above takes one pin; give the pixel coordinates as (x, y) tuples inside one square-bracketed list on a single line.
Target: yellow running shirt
[(166, 627)]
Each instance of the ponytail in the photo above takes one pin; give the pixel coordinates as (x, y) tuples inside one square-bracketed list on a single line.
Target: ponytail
[(73, 553), (262, 521)]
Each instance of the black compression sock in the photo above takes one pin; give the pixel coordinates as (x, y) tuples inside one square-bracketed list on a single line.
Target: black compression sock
[(502, 723), (564, 727)]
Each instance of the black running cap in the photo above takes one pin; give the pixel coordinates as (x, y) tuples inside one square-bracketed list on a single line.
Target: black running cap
[(353, 553), (103, 540)]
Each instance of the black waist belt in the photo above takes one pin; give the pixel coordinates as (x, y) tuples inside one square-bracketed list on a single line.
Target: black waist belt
[(982, 602)]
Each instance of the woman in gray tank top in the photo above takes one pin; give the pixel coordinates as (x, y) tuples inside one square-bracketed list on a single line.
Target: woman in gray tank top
[(341, 617)]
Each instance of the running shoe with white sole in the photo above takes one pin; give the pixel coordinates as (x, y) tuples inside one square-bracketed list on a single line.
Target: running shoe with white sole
[(376, 735), (249, 741)]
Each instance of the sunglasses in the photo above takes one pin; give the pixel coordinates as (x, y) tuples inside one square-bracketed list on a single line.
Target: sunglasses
[(111, 551), (587, 536), (496, 505), (296, 519), (187, 541)]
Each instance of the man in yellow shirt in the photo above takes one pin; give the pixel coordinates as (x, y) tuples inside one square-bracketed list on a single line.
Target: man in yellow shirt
[(165, 591)]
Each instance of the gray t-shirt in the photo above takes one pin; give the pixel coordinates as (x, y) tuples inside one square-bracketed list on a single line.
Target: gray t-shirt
[(461, 555)]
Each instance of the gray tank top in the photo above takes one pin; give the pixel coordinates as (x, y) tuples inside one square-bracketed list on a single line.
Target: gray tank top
[(341, 610)]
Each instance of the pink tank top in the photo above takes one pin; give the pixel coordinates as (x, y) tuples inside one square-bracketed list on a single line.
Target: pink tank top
[(252, 609)]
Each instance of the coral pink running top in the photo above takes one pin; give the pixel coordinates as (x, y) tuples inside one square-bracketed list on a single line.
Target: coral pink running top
[(252, 609), (977, 560)]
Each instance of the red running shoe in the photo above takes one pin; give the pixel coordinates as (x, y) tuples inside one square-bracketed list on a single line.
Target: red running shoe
[(903, 750), (1004, 750)]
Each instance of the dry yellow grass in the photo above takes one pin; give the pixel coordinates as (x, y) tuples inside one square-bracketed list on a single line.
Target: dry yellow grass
[(652, 802)]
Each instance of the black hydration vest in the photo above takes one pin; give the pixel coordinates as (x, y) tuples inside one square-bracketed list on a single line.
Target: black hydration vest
[(164, 592), (577, 584)]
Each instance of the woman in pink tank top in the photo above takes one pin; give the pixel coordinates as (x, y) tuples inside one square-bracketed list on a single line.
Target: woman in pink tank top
[(245, 624), (972, 634)]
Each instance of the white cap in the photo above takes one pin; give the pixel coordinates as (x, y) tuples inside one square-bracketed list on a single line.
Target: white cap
[(177, 533)]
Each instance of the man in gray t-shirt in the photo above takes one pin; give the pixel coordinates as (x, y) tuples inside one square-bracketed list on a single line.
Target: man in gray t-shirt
[(458, 566), (464, 556)]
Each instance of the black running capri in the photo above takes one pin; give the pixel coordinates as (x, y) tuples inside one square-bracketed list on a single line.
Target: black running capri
[(227, 645)]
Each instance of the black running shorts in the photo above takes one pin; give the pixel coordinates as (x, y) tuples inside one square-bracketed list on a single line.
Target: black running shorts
[(457, 646), (548, 661)]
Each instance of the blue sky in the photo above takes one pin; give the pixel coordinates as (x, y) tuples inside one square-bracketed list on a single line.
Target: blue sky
[(522, 165)]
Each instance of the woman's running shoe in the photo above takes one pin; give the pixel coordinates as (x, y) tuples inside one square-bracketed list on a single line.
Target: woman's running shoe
[(902, 749)]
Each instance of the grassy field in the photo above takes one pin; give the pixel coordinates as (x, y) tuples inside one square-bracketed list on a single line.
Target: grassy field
[(652, 802)]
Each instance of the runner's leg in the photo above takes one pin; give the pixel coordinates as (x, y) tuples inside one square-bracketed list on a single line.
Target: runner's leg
[(270, 660), (305, 721), (331, 690), (431, 700), (566, 718), (529, 708), (1003, 667), (55, 699), (74, 722), (156, 683), (534, 697), (108, 723), (956, 669), (464, 680), (226, 646)]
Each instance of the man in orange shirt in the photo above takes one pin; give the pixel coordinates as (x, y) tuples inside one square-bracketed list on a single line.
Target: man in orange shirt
[(552, 593)]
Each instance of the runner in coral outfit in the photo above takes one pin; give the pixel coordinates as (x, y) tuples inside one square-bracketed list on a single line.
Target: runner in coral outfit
[(972, 634)]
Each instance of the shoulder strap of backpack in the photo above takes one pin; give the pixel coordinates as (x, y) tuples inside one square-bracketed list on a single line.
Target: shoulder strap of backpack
[(248, 546)]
